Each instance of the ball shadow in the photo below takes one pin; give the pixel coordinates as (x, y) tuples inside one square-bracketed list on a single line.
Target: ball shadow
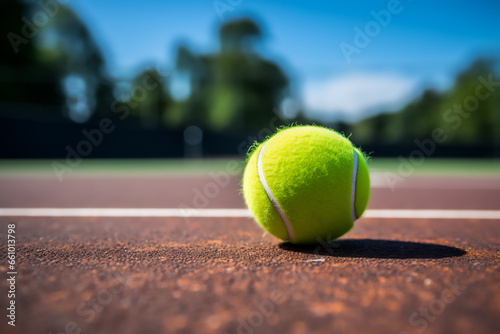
[(377, 249)]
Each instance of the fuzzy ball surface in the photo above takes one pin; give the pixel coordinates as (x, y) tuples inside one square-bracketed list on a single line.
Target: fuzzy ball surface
[(306, 184)]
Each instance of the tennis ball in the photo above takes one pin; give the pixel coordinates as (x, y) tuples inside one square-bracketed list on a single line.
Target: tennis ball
[(306, 184)]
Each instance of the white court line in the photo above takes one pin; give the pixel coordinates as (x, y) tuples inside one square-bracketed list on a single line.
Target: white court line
[(238, 213)]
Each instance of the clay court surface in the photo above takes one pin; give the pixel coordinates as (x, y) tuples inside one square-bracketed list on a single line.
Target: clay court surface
[(424, 259)]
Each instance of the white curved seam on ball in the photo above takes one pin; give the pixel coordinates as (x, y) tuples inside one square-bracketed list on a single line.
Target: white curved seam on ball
[(271, 196), (353, 187)]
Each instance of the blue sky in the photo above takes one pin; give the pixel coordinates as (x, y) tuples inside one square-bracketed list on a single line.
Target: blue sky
[(424, 44)]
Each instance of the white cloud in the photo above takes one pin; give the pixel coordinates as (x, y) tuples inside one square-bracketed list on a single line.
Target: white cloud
[(353, 96)]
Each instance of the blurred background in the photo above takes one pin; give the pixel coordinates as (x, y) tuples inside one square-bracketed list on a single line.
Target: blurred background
[(173, 79)]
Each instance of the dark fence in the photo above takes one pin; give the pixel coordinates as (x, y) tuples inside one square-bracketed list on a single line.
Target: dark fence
[(56, 139)]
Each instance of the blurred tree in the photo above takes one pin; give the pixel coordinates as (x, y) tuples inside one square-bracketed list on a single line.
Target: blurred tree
[(27, 84), (149, 100), (475, 123), (416, 120), (51, 59), (186, 86), (66, 43), (239, 36), (234, 90), (465, 118)]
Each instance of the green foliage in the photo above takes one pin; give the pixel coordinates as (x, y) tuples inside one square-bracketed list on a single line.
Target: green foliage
[(26, 78), (464, 121), (477, 124), (234, 90), (150, 100), (37, 58), (239, 35)]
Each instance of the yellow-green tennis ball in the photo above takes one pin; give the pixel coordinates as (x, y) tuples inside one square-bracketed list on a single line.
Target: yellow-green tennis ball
[(306, 184)]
